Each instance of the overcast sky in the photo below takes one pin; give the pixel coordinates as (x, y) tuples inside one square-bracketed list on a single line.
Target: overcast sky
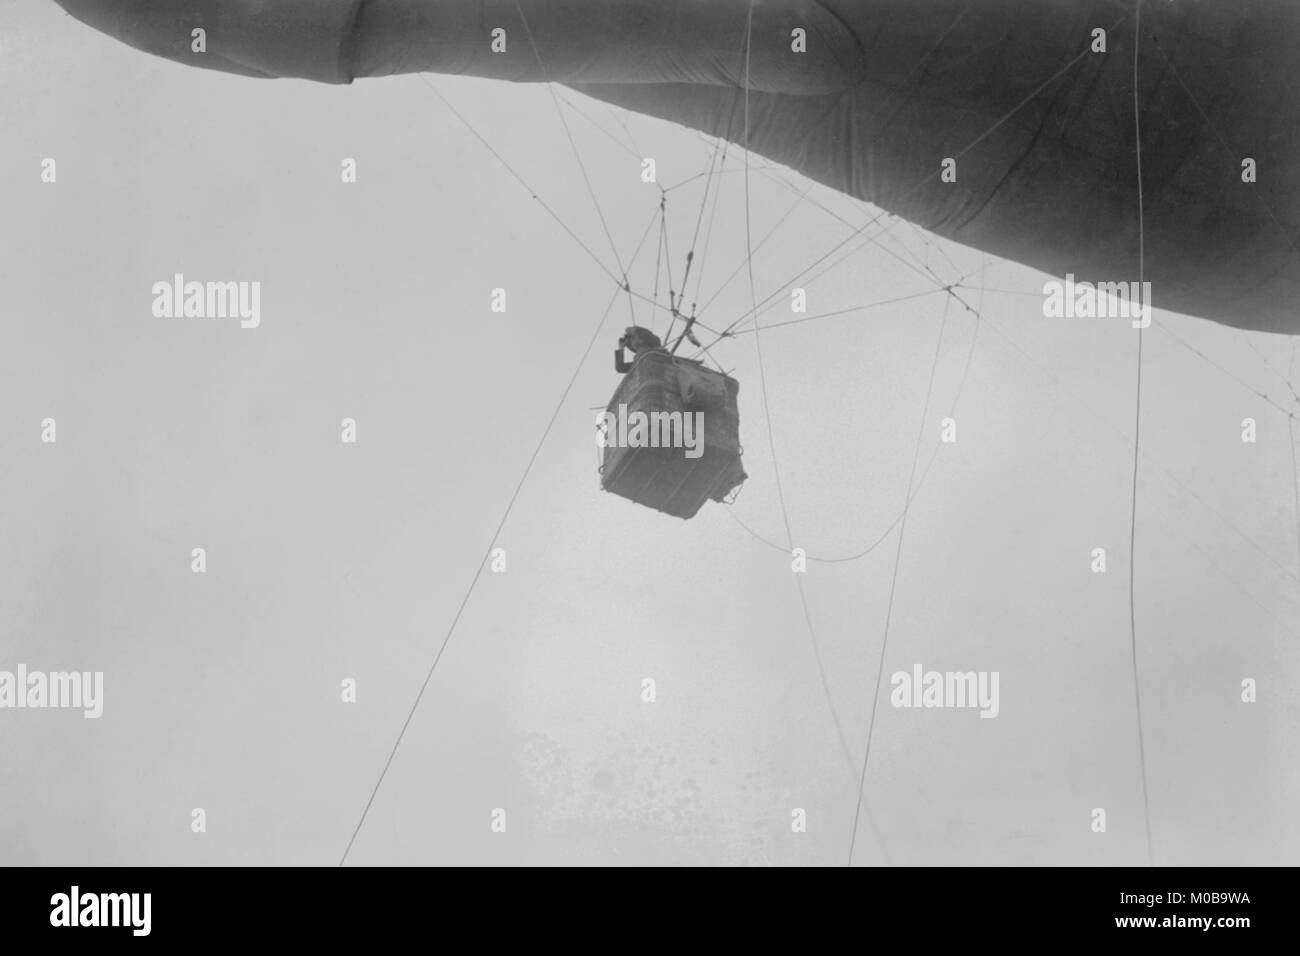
[(328, 561)]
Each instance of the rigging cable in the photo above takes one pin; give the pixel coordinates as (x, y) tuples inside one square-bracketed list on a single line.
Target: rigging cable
[(925, 180), (920, 482), (487, 553), (577, 155), (1137, 437), (776, 469), (893, 582), (1295, 472), (477, 574)]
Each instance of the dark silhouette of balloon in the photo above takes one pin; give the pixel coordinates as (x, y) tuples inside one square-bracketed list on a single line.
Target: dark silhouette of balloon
[(1040, 126)]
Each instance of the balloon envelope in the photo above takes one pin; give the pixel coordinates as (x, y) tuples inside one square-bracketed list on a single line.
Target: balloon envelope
[(1036, 109)]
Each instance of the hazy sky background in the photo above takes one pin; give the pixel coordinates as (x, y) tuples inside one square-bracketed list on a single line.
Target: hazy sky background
[(329, 561)]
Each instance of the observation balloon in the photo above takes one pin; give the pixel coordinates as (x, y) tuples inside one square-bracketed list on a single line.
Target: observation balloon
[(1010, 126)]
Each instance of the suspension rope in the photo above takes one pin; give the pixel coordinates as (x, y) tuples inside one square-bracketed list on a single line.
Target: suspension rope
[(925, 180), (659, 255), (699, 221), (1182, 342), (920, 482), (477, 574), (855, 308), (518, 178), (740, 266), (1264, 360), (1137, 438), (577, 154), (918, 267), (708, 232), (1147, 457), (776, 468), (893, 582), (600, 129), (1295, 471)]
